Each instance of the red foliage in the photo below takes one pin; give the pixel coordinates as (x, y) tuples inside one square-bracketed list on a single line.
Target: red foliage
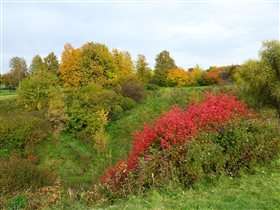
[(178, 126), (212, 78)]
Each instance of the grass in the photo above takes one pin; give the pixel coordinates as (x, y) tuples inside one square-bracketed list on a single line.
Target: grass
[(73, 160), (7, 94), (258, 190)]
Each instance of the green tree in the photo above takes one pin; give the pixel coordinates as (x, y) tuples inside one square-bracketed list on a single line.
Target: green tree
[(37, 64), (18, 71), (164, 63), (34, 90), (142, 69), (97, 64), (123, 63), (52, 63), (260, 79), (9, 81)]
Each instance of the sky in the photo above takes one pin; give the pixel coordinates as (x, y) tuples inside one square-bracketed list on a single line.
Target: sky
[(205, 32)]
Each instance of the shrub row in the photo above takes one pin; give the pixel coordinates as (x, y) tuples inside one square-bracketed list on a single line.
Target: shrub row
[(220, 135)]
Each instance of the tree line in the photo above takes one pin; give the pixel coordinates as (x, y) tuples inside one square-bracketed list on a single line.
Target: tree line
[(95, 62)]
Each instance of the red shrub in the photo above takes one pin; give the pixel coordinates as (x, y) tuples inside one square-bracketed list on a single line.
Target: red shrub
[(212, 78), (178, 126)]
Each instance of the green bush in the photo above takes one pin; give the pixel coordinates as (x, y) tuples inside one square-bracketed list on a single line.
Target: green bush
[(127, 103), (85, 107), (116, 113), (34, 90), (17, 175), (57, 111), (151, 87), (247, 144), (21, 131)]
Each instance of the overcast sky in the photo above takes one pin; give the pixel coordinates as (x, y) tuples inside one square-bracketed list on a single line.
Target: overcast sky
[(204, 33)]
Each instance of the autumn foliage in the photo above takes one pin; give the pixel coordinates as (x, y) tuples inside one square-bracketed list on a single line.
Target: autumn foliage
[(174, 128), (177, 77)]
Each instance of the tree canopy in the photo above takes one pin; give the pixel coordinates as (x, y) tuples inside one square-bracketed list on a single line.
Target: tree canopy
[(164, 63), (261, 78)]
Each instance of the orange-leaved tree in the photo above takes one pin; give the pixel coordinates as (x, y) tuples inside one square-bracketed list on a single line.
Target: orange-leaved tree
[(177, 77), (70, 72)]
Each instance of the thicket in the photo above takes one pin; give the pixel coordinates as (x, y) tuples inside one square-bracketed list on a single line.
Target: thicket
[(20, 131), (17, 175), (259, 80), (220, 135)]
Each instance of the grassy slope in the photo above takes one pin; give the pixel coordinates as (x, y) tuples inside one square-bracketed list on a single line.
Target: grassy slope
[(76, 162), (69, 158)]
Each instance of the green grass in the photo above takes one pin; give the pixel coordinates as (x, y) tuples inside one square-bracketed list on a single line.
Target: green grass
[(69, 158), (7, 94), (258, 190)]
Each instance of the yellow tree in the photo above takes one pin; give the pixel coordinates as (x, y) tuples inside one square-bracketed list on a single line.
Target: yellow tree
[(194, 75), (177, 77), (70, 67), (214, 69)]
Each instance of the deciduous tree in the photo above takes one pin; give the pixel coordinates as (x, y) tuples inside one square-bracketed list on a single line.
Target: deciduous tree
[(260, 79), (177, 77), (52, 63), (123, 63), (164, 63), (70, 72), (34, 90), (142, 69), (18, 71), (37, 64)]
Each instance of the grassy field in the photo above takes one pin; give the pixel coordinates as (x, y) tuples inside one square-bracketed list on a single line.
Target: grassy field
[(6, 94)]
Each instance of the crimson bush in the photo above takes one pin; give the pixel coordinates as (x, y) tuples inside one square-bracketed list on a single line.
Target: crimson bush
[(218, 135)]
